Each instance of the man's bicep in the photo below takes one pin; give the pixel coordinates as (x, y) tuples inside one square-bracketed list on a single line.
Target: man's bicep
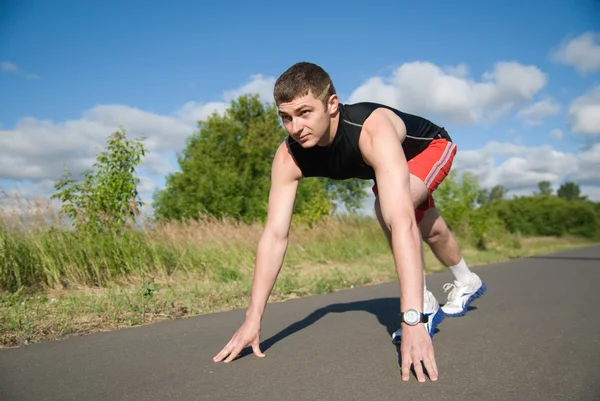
[(285, 176)]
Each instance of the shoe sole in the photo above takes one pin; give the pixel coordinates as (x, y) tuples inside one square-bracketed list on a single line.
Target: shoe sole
[(472, 298), (437, 319)]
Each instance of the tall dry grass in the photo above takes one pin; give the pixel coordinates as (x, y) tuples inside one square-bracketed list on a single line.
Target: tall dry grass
[(40, 249)]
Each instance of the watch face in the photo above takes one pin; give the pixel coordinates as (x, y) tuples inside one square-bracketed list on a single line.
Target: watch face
[(411, 316)]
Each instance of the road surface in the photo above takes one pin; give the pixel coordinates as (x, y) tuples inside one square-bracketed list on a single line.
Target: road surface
[(535, 335)]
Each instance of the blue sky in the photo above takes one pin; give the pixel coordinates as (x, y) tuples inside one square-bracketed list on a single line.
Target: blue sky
[(72, 71)]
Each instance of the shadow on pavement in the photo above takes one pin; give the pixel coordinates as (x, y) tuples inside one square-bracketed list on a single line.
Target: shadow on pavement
[(385, 309)]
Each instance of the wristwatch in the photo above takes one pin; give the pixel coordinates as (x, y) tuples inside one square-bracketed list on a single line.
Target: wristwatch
[(412, 317)]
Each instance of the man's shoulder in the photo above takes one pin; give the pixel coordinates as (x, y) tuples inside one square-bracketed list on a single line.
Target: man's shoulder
[(284, 159), (365, 106), (359, 112)]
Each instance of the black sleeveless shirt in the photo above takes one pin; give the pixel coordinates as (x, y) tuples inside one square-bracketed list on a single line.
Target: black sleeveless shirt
[(343, 160)]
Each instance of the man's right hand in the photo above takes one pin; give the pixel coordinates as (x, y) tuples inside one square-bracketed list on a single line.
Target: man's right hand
[(417, 347), (247, 334)]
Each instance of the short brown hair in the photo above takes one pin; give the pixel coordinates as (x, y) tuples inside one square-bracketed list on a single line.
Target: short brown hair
[(299, 80)]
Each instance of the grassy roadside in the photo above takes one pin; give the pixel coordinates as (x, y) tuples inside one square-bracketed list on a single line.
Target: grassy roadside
[(213, 273)]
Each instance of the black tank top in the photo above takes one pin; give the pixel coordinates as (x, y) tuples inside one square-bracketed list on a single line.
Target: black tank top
[(343, 159)]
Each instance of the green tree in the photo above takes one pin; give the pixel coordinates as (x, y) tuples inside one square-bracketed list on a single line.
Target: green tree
[(108, 197), (485, 195), (544, 189), (464, 206), (570, 191), (456, 198), (225, 170), (498, 193), (548, 215)]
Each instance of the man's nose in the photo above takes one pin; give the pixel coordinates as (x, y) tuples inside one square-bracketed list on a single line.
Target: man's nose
[(297, 126)]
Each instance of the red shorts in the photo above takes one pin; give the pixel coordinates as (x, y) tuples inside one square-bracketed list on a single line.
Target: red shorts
[(431, 166)]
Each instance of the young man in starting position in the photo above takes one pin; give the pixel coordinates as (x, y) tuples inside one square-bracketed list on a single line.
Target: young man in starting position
[(408, 157)]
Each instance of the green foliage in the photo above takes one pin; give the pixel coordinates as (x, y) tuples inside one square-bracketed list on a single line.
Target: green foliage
[(108, 197), (497, 193), (544, 188), (482, 216), (313, 201), (350, 193), (455, 199), (549, 215), (225, 171), (225, 166), (570, 191), (458, 202)]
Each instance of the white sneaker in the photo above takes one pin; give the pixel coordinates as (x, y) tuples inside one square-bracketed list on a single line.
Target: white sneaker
[(432, 310), (461, 295)]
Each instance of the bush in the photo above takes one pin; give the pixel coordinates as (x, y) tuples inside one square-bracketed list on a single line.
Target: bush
[(548, 216)]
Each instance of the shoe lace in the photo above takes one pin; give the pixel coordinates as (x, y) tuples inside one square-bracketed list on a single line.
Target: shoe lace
[(454, 290)]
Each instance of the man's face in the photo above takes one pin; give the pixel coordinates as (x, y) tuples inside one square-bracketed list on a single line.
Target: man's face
[(307, 120)]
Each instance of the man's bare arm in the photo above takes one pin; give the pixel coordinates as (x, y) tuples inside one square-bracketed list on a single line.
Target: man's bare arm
[(381, 146), (273, 242)]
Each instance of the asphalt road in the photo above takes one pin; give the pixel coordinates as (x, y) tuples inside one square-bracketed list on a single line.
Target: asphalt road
[(535, 335)]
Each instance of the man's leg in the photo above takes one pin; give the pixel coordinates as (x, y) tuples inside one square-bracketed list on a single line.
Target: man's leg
[(433, 166), (467, 285), (437, 235)]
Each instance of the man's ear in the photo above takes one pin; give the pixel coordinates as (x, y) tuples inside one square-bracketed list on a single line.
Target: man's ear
[(332, 104)]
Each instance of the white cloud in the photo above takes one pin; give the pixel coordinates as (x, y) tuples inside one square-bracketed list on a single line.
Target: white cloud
[(592, 193), (461, 70), (261, 85), (557, 134), (12, 68), (584, 113), (426, 89), (588, 163), (537, 112), (31, 189), (582, 52), (146, 187), (8, 66), (520, 168), (516, 166), (35, 150), (192, 112)]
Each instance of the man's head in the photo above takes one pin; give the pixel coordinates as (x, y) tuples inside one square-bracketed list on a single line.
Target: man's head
[(307, 102)]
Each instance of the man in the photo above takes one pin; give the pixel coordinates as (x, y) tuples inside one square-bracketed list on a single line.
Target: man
[(407, 157)]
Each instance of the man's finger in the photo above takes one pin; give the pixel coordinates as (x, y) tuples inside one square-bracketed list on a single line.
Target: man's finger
[(431, 369), (224, 352), (256, 349), (234, 353), (418, 369), (406, 362), (431, 358)]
